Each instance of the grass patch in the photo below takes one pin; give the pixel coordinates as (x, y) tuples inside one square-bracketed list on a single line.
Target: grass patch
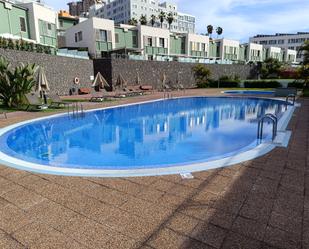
[(250, 89)]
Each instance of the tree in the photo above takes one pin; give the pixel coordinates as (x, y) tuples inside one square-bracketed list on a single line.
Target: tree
[(153, 19), (201, 75), (133, 21), (162, 17), (210, 30), (170, 19), (219, 31), (270, 68), (304, 70), (14, 84), (143, 20)]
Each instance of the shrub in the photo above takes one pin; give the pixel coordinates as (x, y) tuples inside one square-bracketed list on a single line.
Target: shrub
[(262, 84), (201, 75), (296, 84), (14, 84)]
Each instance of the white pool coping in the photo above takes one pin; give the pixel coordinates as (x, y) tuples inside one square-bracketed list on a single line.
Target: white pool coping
[(258, 151)]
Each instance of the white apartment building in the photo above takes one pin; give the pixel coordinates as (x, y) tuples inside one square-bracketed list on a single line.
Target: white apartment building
[(96, 34), (121, 11), (284, 41), (43, 22)]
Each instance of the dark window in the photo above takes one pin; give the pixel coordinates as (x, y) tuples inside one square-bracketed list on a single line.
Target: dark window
[(61, 23), (22, 24), (49, 27), (117, 38)]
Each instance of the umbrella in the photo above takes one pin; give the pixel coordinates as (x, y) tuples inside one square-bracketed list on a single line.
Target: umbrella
[(163, 79), (138, 79), (100, 82), (42, 83), (121, 82)]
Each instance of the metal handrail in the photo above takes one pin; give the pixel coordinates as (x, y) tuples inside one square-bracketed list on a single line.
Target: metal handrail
[(287, 100), (274, 121), (167, 95), (77, 110)]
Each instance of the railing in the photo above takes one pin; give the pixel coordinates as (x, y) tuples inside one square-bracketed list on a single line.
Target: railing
[(288, 98), (167, 95), (274, 121), (76, 109)]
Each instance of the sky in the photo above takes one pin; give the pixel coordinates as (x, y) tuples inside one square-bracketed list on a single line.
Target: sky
[(241, 19)]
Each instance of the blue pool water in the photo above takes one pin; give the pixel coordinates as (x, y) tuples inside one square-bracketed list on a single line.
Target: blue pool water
[(155, 134), (249, 92)]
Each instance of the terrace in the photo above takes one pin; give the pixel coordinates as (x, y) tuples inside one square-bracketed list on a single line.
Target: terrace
[(257, 204)]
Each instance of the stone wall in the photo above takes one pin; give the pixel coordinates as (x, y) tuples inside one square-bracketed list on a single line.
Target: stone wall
[(60, 71), (151, 72)]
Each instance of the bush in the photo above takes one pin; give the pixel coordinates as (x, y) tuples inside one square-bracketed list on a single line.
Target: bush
[(296, 84), (226, 81), (14, 84), (201, 75), (262, 84)]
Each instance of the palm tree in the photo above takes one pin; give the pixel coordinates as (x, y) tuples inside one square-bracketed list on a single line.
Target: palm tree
[(210, 29), (219, 31), (162, 17), (133, 21), (304, 70), (170, 19), (143, 20), (153, 19)]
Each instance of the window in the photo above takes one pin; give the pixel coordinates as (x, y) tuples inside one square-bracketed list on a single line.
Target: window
[(161, 42), (49, 27), (79, 36), (22, 24), (102, 35), (149, 41), (116, 38), (61, 23)]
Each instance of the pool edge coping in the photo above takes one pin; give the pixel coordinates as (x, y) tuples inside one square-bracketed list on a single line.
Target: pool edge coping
[(256, 152)]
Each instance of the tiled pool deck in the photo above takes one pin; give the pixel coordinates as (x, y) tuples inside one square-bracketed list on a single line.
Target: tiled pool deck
[(263, 203)]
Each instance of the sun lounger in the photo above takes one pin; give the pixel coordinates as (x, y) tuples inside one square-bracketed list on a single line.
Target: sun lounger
[(57, 102), (34, 102), (101, 96)]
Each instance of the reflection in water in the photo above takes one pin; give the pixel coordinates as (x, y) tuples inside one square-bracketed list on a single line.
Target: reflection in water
[(165, 133)]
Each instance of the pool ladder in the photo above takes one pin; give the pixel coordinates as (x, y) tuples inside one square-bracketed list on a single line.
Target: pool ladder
[(287, 102), (167, 95), (77, 110), (273, 119)]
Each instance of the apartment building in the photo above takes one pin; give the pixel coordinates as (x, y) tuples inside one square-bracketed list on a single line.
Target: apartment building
[(121, 11), (78, 8), (283, 41)]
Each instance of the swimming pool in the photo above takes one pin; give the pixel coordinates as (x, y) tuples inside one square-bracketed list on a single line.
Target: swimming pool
[(249, 92), (158, 137)]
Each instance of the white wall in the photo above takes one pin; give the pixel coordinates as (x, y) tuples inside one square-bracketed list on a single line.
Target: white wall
[(197, 38), (88, 28), (153, 32), (39, 12)]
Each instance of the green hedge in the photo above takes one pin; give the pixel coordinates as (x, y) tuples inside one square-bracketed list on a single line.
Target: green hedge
[(23, 45), (262, 84), (299, 85), (224, 83)]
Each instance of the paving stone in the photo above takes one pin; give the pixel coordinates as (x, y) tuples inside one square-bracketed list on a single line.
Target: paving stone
[(167, 238), (182, 223), (209, 234), (249, 228), (282, 239), (237, 241)]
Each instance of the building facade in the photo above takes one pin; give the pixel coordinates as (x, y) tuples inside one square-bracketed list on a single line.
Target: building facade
[(121, 11), (142, 42), (81, 7), (283, 41)]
